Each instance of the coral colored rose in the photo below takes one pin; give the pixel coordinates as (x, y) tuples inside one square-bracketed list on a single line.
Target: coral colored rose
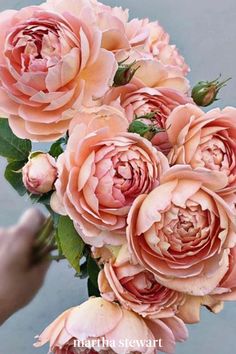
[(158, 44), (140, 102), (97, 319), (204, 140), (100, 175), (50, 64), (182, 231), (136, 289), (40, 173)]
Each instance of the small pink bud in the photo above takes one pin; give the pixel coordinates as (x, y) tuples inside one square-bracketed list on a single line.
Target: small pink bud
[(40, 173)]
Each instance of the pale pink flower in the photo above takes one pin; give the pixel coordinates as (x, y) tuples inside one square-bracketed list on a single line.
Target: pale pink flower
[(40, 173), (100, 175), (204, 140), (182, 231), (118, 33), (50, 63), (161, 49), (136, 288), (153, 73), (100, 320), (111, 116)]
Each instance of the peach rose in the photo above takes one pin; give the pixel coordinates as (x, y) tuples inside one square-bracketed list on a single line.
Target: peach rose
[(190, 311), (136, 288), (50, 64), (152, 73), (118, 33), (40, 173), (204, 140), (111, 116), (182, 231), (100, 175), (158, 44), (141, 102), (105, 322)]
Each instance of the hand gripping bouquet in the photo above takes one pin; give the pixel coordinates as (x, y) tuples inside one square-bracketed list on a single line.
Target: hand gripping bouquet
[(140, 183)]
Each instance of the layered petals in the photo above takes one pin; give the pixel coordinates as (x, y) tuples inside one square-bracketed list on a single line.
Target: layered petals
[(110, 327), (48, 66), (204, 140), (102, 172), (183, 231)]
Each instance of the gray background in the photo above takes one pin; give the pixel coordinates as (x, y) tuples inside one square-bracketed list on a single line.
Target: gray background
[(205, 32)]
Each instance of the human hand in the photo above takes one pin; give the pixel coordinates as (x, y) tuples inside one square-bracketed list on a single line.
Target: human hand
[(20, 279)]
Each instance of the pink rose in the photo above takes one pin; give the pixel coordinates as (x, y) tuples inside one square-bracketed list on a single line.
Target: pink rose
[(141, 102), (136, 288), (158, 44), (204, 140), (50, 63), (226, 290), (105, 322), (111, 116), (118, 33), (100, 175), (153, 73), (40, 173), (182, 231), (190, 311)]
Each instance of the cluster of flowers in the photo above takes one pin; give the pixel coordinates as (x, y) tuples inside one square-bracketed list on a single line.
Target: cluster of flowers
[(147, 177)]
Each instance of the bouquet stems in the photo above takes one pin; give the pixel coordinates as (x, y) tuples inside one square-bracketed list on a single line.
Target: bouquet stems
[(45, 242)]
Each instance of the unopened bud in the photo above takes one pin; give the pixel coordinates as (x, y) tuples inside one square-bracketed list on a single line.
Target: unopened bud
[(40, 173), (205, 93), (125, 73), (147, 131)]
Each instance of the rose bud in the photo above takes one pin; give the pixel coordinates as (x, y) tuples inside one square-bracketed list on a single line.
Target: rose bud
[(124, 73), (205, 93), (145, 130), (40, 173)]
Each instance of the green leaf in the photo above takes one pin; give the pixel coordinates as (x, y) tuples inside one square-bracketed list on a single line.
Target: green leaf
[(57, 147), (92, 290), (70, 242), (13, 175), (41, 198), (93, 271), (11, 147)]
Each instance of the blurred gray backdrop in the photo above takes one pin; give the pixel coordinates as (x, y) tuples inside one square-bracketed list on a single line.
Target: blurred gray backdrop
[(205, 32)]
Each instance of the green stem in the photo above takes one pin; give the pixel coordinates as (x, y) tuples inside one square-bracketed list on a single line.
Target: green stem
[(56, 258)]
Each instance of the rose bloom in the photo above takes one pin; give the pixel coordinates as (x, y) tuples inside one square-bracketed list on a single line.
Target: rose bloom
[(40, 173), (204, 140), (97, 320), (182, 231), (118, 33), (50, 64), (136, 288), (153, 73), (142, 101), (158, 44), (100, 175), (190, 311)]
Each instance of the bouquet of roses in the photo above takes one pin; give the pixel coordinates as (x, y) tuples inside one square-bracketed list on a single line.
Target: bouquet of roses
[(139, 181)]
